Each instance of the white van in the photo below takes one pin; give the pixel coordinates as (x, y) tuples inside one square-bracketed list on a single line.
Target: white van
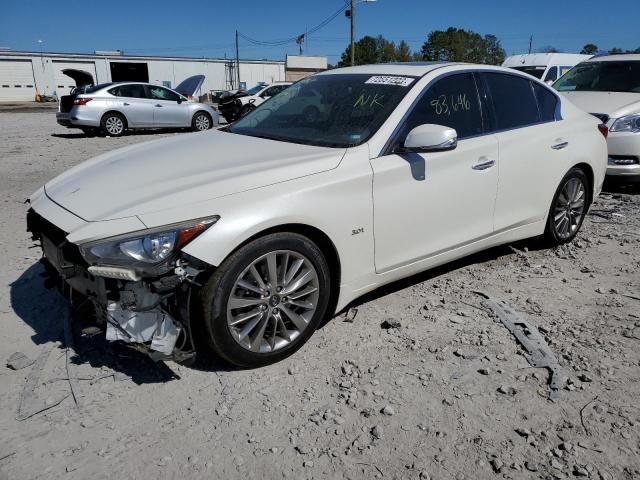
[(547, 67)]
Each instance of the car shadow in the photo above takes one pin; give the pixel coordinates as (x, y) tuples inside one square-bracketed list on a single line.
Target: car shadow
[(129, 133), (531, 244), (621, 187), (43, 309)]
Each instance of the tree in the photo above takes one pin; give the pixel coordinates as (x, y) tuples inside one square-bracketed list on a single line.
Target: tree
[(548, 49), (376, 50), (616, 51), (458, 45), (589, 49), (403, 52)]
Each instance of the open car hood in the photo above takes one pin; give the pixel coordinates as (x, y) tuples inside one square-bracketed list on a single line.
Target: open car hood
[(189, 86), (81, 77)]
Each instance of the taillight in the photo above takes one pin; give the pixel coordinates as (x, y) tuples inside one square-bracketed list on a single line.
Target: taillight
[(81, 101), (603, 130)]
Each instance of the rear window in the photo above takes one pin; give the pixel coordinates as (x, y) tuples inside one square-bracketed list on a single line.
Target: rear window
[(95, 88), (514, 103)]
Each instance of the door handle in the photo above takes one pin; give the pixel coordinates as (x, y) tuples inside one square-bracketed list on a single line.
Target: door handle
[(125, 104), (560, 146), (158, 105), (484, 165)]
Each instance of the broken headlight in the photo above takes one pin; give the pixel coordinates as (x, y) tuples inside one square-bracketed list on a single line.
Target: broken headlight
[(146, 248)]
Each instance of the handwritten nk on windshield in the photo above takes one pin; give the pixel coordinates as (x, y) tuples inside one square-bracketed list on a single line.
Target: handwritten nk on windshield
[(372, 101)]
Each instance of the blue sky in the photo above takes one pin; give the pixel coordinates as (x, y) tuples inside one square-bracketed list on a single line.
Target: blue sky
[(207, 28)]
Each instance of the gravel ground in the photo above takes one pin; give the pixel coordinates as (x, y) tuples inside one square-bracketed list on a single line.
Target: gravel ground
[(423, 382)]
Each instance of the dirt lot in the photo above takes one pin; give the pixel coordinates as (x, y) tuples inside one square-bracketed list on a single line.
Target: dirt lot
[(446, 394)]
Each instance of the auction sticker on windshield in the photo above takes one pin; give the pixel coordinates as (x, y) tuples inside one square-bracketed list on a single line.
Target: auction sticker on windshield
[(385, 80)]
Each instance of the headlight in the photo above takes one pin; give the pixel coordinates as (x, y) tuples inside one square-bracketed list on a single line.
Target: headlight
[(146, 248), (630, 123)]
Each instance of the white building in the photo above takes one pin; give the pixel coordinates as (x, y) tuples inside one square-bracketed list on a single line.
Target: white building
[(24, 74)]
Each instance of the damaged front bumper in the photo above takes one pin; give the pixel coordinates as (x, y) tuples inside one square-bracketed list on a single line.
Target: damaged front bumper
[(151, 314)]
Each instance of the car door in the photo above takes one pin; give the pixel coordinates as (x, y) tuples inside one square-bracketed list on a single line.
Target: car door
[(169, 108), (534, 147), (131, 99), (428, 203)]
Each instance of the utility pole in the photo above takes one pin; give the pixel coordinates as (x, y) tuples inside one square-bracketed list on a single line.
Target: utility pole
[(352, 15), (530, 42), (237, 61)]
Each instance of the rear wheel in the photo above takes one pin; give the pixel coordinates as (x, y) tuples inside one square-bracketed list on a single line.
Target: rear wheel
[(113, 124), (266, 300), (568, 209), (201, 121)]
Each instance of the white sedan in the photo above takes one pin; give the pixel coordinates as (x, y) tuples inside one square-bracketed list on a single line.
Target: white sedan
[(246, 239)]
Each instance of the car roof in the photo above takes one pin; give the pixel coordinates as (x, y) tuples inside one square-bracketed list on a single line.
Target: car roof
[(416, 69), (620, 58)]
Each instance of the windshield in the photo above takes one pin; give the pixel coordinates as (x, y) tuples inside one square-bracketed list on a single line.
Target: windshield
[(335, 110), (612, 76), (535, 71), (255, 89)]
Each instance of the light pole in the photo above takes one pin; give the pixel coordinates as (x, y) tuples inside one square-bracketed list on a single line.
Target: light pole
[(352, 17)]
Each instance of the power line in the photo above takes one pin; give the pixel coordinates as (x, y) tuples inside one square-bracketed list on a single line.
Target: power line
[(284, 41)]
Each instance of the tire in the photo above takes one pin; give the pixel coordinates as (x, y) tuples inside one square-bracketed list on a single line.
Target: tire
[(245, 110), (568, 208), (258, 329), (113, 124), (201, 121)]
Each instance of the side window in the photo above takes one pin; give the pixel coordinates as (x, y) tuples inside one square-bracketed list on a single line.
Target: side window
[(129, 91), (270, 92), (514, 104), (552, 75), (160, 93), (452, 102), (547, 102)]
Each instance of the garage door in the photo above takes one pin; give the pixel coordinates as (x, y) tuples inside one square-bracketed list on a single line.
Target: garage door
[(16, 81), (64, 84)]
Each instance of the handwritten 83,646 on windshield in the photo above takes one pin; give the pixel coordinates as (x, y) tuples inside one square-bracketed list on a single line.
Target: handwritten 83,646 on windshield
[(444, 104)]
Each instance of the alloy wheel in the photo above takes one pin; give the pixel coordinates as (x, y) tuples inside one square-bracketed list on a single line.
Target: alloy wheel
[(273, 301), (114, 125), (569, 208), (202, 122)]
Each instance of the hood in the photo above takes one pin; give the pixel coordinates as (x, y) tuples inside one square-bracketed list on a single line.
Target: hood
[(189, 86), (182, 170), (614, 104), (81, 77), (232, 95)]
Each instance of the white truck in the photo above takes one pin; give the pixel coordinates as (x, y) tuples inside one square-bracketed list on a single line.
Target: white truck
[(547, 67)]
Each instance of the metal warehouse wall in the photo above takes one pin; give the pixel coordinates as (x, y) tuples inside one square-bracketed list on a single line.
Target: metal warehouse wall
[(23, 74)]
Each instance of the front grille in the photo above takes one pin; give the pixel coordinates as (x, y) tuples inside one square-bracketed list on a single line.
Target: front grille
[(604, 118)]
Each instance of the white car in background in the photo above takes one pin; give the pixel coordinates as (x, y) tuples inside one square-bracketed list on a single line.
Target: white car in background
[(237, 104), (547, 67), (249, 237), (609, 88)]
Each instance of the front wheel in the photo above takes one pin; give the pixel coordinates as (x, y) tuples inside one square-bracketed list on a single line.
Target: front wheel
[(266, 300), (568, 209), (201, 121)]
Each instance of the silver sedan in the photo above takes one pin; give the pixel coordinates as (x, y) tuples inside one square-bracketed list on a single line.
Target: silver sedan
[(112, 108)]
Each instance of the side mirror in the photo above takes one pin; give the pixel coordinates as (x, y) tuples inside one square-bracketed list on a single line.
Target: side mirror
[(180, 100), (430, 138)]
